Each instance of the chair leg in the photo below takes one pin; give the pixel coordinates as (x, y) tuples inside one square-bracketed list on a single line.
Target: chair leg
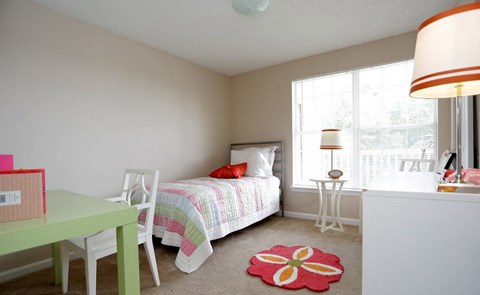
[(65, 260), (148, 245), (91, 274)]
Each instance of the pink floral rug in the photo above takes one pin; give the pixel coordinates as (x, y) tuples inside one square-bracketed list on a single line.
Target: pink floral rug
[(296, 267)]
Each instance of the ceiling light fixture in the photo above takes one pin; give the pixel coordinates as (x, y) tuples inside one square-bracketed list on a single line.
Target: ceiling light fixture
[(250, 7)]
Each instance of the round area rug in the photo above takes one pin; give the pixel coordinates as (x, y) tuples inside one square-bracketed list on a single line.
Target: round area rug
[(296, 267)]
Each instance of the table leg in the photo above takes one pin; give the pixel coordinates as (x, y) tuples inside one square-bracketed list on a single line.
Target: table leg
[(320, 206), (337, 215), (127, 260), (333, 204), (57, 263), (323, 228)]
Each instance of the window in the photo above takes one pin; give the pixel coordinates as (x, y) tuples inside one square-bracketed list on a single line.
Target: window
[(380, 123)]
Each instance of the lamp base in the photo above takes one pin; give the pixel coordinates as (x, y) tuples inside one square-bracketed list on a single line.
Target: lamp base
[(335, 174)]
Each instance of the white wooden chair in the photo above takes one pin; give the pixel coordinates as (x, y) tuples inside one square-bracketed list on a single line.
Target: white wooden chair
[(135, 192), (415, 164)]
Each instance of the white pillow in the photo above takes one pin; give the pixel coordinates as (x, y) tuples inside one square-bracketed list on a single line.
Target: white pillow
[(268, 152), (257, 164)]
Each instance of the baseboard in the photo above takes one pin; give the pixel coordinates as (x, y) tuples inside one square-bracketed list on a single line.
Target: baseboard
[(25, 270), (349, 221)]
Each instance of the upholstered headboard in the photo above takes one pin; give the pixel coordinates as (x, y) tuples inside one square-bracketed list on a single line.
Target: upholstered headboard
[(278, 164)]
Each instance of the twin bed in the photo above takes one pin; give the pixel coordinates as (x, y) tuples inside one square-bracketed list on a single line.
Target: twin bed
[(191, 213)]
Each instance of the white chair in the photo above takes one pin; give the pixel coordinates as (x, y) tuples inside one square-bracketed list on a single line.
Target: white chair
[(415, 164), (135, 192)]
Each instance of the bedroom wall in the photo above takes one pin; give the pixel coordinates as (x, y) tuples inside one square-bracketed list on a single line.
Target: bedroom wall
[(85, 104), (262, 105)]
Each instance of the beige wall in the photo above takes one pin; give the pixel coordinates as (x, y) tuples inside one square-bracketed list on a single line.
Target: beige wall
[(85, 104), (262, 104)]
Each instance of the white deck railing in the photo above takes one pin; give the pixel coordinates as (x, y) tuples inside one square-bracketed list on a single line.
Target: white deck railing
[(371, 163)]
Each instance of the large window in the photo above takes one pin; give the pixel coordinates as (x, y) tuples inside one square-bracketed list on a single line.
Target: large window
[(379, 121)]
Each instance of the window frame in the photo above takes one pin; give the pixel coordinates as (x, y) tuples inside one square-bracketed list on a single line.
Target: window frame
[(297, 177)]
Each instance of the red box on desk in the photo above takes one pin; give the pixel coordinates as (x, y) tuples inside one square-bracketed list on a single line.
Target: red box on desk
[(22, 194)]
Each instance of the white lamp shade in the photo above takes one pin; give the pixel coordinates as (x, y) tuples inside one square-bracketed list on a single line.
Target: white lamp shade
[(250, 7), (331, 139), (447, 54)]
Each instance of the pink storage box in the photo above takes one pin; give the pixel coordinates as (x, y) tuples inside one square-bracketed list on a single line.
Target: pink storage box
[(22, 194), (6, 162)]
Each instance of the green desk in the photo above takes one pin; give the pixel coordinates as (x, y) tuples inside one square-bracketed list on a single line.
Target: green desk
[(69, 215)]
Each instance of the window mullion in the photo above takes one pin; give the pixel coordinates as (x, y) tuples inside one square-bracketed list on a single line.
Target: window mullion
[(356, 128)]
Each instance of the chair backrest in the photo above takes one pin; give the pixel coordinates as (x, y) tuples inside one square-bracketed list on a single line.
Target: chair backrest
[(416, 164), (140, 190)]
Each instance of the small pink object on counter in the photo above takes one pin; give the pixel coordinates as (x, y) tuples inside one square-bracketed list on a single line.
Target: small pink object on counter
[(469, 175)]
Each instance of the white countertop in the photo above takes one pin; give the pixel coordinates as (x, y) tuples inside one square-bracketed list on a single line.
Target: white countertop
[(406, 182), (418, 185)]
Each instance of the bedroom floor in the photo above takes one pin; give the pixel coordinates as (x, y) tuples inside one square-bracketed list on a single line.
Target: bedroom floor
[(225, 271)]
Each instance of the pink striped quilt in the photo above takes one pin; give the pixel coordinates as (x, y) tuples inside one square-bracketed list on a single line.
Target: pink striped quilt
[(191, 213)]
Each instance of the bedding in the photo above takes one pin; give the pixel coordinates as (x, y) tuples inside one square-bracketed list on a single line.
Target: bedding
[(191, 213), (260, 160)]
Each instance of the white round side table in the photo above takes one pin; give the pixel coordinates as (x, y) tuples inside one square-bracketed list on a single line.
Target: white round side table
[(334, 196)]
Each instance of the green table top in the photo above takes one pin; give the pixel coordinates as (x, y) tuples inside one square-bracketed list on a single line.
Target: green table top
[(68, 215)]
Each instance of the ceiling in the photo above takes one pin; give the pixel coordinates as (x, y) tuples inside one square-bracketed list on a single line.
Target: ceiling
[(211, 34)]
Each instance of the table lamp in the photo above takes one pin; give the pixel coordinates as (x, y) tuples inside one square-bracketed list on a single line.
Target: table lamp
[(332, 140), (447, 61)]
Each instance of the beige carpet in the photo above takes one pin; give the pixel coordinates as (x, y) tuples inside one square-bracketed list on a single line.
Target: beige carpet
[(224, 272)]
